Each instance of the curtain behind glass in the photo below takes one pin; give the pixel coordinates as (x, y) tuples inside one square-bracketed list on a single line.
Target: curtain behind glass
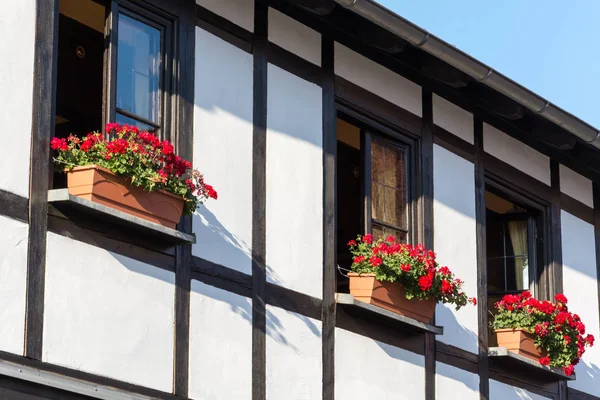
[(517, 231)]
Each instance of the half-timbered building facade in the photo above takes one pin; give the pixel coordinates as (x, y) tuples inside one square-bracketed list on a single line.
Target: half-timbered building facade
[(316, 120)]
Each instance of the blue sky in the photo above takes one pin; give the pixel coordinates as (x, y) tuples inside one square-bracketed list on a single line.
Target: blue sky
[(551, 47)]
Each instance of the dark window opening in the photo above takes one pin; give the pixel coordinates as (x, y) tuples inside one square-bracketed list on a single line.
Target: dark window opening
[(80, 67), (514, 236), (373, 188)]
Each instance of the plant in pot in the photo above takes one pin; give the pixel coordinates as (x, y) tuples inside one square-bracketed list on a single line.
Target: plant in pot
[(541, 330), (402, 278), (133, 172)]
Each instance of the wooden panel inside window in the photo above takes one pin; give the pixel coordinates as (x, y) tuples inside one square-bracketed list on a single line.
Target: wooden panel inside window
[(388, 184), (383, 231)]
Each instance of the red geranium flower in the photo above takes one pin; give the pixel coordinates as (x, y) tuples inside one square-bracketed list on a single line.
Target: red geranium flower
[(368, 238), (425, 282), (447, 288), (590, 340), (569, 369), (561, 298), (358, 259), (375, 261)]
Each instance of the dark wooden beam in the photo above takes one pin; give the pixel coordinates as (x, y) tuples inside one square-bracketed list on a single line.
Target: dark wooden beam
[(482, 299), (186, 52), (426, 223), (259, 201), (42, 130), (329, 217)]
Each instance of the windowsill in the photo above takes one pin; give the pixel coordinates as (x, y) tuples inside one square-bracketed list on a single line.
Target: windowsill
[(382, 315), (509, 359), (69, 206)]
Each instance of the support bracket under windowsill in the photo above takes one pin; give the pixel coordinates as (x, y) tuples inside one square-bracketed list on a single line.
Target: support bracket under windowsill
[(509, 359), (68, 206), (377, 313)]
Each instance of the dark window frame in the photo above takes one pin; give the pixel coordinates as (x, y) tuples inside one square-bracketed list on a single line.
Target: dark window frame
[(167, 25), (372, 128), (539, 235)]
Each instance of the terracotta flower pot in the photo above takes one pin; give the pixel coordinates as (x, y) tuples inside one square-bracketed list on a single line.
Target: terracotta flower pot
[(391, 296), (100, 185), (519, 341)]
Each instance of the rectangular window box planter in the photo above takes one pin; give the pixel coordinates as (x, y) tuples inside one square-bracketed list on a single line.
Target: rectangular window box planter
[(382, 315), (66, 205), (509, 360), (390, 296), (97, 184)]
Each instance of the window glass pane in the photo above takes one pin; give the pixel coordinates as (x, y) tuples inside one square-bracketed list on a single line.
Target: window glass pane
[(138, 66), (377, 161), (377, 201), (382, 231), (122, 119), (388, 188), (496, 276)]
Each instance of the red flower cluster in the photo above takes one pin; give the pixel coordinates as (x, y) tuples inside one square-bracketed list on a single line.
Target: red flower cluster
[(413, 266), (59, 144), (558, 331), (141, 156)]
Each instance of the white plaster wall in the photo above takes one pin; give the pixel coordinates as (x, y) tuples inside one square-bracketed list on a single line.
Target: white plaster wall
[(294, 362), (108, 315), (453, 383), (294, 219), (502, 391), (454, 229), (240, 12), (378, 79), (580, 287), (220, 344), (515, 153), (223, 151), (13, 284), (453, 118), (17, 28), (577, 186), (368, 369), (294, 36)]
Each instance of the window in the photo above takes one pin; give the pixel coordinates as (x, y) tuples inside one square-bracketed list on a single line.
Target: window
[(138, 73), (389, 194), (130, 82), (373, 185), (514, 236)]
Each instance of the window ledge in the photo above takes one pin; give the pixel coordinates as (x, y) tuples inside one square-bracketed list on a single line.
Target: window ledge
[(68, 204), (510, 359), (382, 315)]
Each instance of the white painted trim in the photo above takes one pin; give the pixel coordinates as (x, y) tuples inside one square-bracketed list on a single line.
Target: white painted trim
[(378, 80), (294, 36), (577, 186), (453, 118), (516, 153)]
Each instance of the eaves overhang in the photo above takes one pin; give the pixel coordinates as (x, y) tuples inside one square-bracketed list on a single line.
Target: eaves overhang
[(477, 70)]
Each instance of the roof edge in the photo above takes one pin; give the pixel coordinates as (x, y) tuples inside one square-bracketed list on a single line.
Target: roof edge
[(479, 71)]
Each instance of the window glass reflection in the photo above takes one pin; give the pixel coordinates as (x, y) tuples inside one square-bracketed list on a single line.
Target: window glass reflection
[(138, 65)]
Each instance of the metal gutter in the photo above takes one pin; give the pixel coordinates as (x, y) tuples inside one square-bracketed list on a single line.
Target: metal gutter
[(480, 72)]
